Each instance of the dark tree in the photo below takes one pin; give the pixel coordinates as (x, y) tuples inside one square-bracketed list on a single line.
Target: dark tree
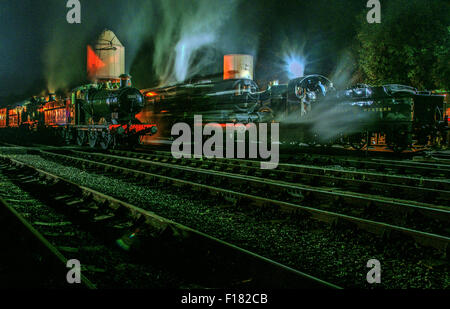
[(411, 45)]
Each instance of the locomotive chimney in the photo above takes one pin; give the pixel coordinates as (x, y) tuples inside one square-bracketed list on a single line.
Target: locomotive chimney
[(125, 80)]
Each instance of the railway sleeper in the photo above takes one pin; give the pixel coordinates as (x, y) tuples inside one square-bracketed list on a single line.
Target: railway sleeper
[(204, 182), (236, 188), (327, 217)]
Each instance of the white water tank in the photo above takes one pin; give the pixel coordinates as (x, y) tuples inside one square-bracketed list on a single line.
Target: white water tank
[(106, 60)]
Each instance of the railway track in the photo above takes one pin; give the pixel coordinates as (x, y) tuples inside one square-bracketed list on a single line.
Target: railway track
[(399, 167), (389, 185), (324, 166), (427, 224), (415, 166), (394, 236), (434, 159), (30, 260), (213, 262)]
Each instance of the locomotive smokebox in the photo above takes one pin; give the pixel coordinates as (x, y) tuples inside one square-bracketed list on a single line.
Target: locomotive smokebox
[(106, 60), (237, 66)]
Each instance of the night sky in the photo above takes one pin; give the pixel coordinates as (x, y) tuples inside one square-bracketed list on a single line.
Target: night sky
[(39, 47)]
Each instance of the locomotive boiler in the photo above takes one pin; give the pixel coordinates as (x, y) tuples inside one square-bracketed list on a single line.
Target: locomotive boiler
[(299, 107), (112, 105)]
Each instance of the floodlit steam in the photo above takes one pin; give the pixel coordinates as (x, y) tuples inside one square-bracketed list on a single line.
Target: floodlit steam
[(187, 38), (185, 28), (65, 44), (62, 59), (184, 51), (343, 74), (330, 121)]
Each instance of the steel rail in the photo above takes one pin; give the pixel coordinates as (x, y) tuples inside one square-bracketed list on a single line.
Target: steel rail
[(428, 239), (49, 250), (313, 177), (265, 269), (307, 169)]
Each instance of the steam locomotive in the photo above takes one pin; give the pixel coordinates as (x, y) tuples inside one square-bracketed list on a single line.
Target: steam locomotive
[(310, 111), (100, 115), (232, 100)]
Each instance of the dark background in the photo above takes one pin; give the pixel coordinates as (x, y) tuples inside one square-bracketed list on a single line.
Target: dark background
[(41, 51)]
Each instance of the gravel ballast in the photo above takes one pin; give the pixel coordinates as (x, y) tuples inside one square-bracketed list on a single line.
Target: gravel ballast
[(338, 255), (103, 264)]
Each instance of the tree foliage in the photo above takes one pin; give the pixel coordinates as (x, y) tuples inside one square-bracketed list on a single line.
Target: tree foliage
[(411, 45)]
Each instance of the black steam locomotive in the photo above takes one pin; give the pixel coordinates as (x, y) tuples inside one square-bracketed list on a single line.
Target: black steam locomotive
[(232, 100), (401, 115), (100, 114), (310, 111)]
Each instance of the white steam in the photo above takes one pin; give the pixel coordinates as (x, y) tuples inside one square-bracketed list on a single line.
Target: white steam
[(330, 120), (343, 74), (189, 37), (184, 28)]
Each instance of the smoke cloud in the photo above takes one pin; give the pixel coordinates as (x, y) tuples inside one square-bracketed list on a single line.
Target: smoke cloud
[(329, 120), (186, 37), (344, 72), (172, 40), (185, 28)]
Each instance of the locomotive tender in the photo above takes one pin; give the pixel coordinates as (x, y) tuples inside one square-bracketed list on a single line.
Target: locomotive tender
[(98, 114)]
